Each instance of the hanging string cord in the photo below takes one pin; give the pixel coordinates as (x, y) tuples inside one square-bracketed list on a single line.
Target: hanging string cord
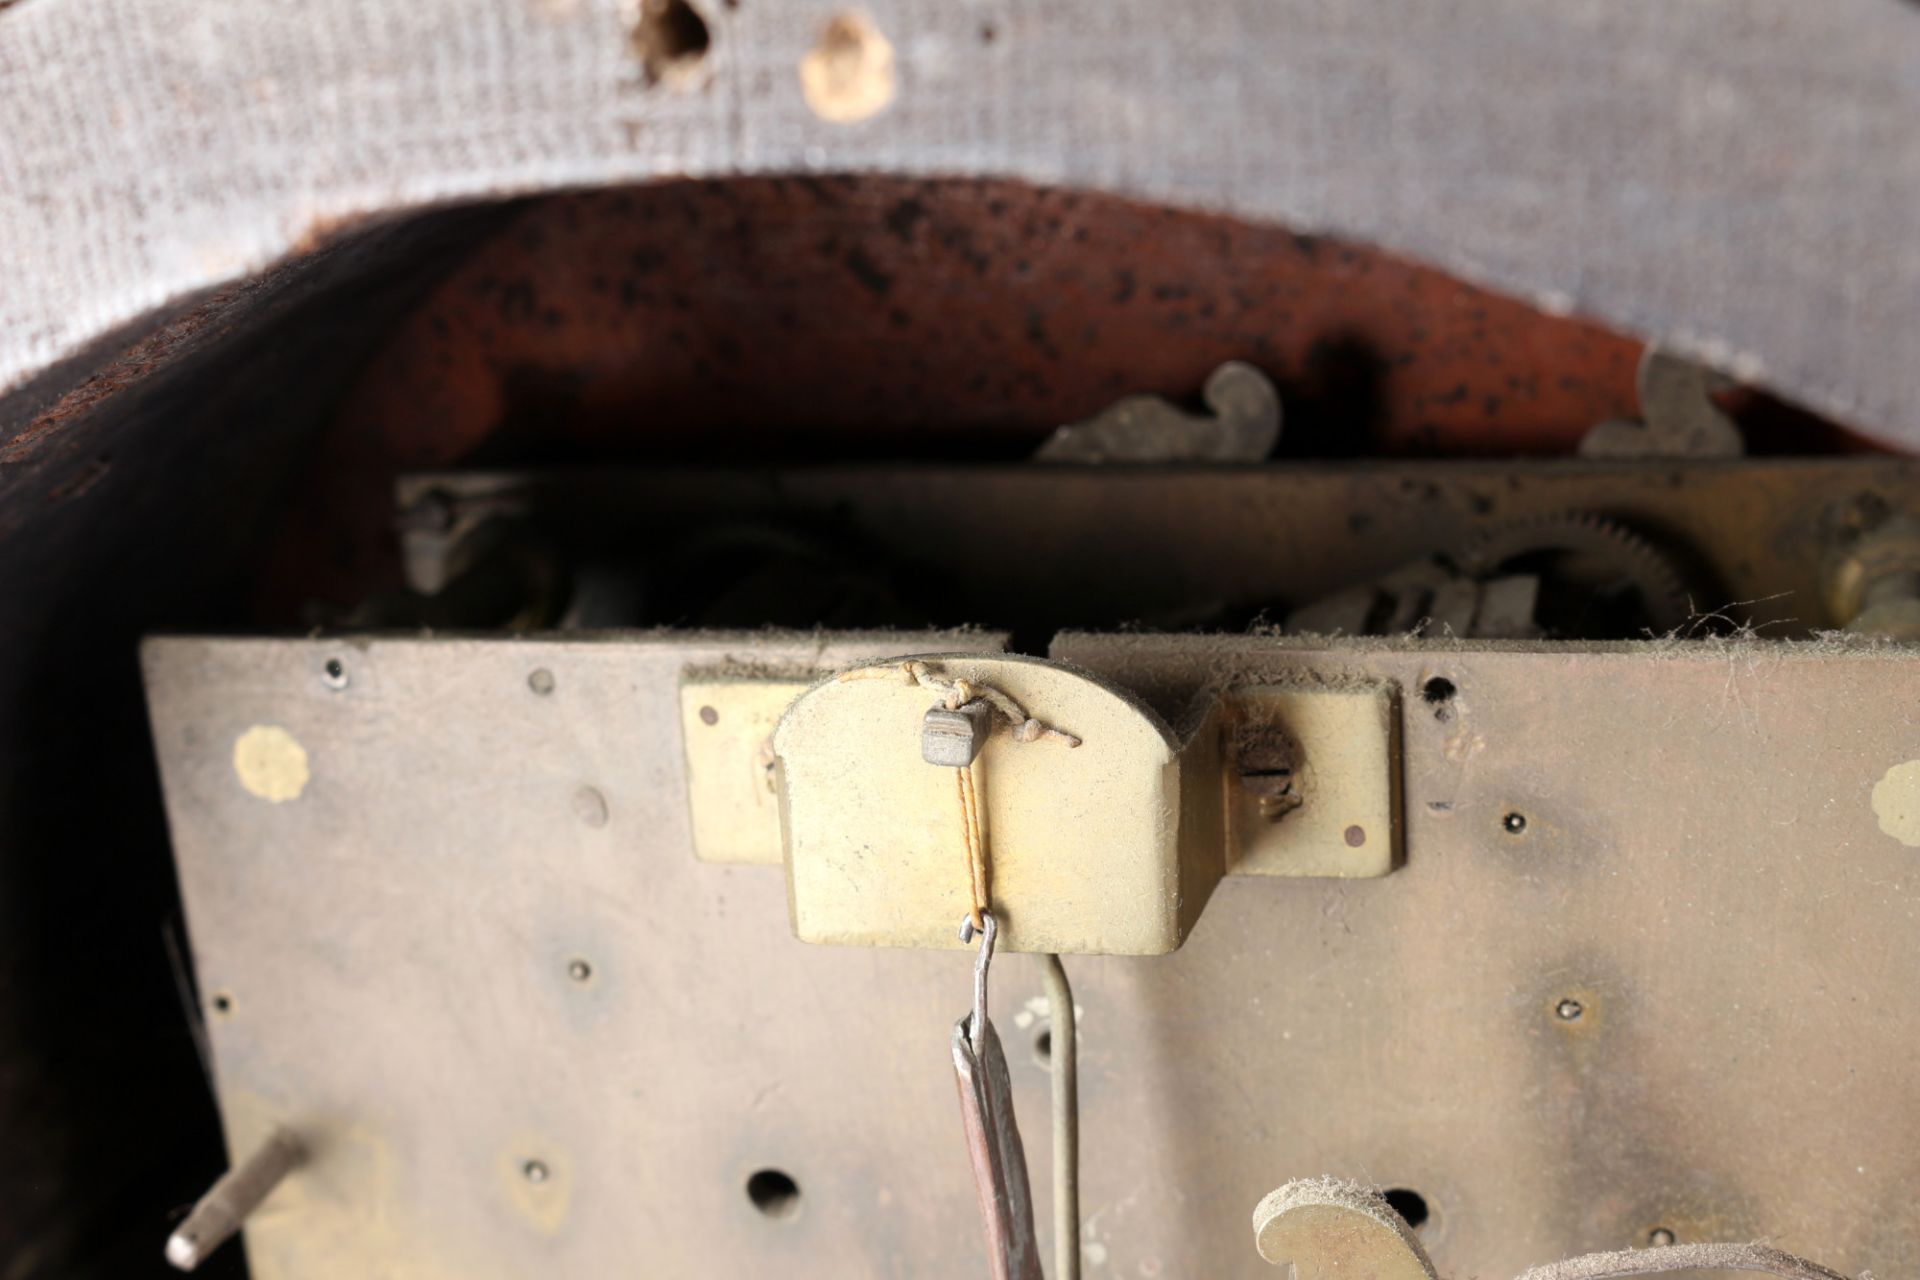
[(957, 693), (979, 922), (976, 850), (954, 694)]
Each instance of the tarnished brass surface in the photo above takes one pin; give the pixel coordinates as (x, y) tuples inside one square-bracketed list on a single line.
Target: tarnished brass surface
[(1676, 998), (1755, 536), (1873, 582)]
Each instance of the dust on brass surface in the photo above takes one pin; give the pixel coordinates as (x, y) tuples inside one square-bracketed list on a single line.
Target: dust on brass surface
[(1697, 864)]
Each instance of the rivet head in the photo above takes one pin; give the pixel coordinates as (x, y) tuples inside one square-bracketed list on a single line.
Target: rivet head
[(1568, 1010), (1356, 836), (579, 970), (1514, 823), (541, 681), (535, 1171), (1660, 1237)]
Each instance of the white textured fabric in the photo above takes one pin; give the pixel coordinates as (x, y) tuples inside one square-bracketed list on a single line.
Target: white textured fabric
[(1740, 178)]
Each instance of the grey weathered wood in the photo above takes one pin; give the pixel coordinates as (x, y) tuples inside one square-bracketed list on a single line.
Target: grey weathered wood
[(1737, 178)]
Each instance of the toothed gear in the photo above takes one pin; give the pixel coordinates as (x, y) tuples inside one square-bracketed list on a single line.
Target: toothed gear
[(1656, 579)]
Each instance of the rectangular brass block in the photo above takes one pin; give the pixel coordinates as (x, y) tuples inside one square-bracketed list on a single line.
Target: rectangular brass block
[(1340, 817), (726, 727), (1082, 842)]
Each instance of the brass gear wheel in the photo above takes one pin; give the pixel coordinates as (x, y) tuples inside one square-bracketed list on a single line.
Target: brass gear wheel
[(1586, 548)]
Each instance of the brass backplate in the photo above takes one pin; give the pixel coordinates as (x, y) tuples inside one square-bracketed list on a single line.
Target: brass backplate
[(1647, 965)]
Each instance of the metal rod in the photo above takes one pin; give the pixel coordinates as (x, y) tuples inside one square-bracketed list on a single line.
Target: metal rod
[(977, 1031), (223, 1210), (1063, 1062)]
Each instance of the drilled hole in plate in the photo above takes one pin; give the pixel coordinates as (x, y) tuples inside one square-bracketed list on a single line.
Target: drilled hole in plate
[(1409, 1204), (774, 1193), (1043, 1049), (1438, 693), (671, 40), (222, 1003)]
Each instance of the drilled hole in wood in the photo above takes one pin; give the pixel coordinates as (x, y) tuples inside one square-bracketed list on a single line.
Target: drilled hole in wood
[(671, 40), (1409, 1204), (848, 75), (774, 1193)]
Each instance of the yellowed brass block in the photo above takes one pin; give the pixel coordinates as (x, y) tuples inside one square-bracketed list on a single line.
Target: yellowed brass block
[(727, 727), (1083, 842), (1345, 778)]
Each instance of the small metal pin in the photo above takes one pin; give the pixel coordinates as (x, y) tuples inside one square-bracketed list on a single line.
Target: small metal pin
[(977, 1028), (223, 1210), (955, 737)]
